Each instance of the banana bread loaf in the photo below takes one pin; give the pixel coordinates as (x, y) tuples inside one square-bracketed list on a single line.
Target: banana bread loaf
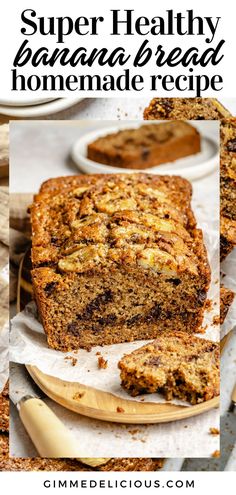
[(209, 109), (146, 146), (227, 186), (115, 258), (39, 464), (176, 364), (4, 409), (185, 109)]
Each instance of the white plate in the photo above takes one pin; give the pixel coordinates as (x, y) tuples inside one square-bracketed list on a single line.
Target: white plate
[(40, 110), (191, 167), (23, 102)]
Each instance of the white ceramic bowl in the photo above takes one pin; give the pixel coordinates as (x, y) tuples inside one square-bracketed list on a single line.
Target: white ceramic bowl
[(23, 101), (40, 110)]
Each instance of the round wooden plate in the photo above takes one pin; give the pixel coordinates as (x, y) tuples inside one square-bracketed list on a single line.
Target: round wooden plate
[(95, 403)]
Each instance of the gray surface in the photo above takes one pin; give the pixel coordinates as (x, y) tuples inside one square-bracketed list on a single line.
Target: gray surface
[(41, 150), (21, 384)]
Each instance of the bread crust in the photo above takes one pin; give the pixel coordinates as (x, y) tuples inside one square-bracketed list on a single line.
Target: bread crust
[(185, 109)]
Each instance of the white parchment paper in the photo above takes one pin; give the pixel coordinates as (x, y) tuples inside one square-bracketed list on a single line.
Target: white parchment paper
[(4, 274), (4, 340), (4, 355)]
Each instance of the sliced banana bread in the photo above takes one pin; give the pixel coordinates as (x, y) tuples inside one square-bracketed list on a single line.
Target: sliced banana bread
[(115, 258), (146, 146), (176, 364)]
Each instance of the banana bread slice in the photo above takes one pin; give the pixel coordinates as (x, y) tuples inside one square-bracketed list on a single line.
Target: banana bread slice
[(176, 364), (226, 299), (115, 258), (146, 146), (185, 109)]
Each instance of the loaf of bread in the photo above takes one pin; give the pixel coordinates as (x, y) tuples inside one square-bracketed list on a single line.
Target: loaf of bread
[(176, 364), (185, 109), (39, 464), (209, 109), (4, 409), (227, 186), (115, 258), (146, 146)]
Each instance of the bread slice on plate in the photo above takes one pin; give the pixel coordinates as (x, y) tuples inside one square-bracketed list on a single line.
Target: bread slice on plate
[(177, 365)]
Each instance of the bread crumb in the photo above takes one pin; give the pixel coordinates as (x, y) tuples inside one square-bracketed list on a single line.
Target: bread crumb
[(133, 432), (102, 363), (202, 329), (216, 454), (120, 409), (73, 360), (78, 395), (98, 353), (214, 431), (216, 320), (208, 305)]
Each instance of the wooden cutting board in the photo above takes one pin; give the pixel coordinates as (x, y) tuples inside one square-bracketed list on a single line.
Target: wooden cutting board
[(95, 403)]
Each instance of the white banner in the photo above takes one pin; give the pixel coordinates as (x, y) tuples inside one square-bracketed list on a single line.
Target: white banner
[(119, 48), (98, 482)]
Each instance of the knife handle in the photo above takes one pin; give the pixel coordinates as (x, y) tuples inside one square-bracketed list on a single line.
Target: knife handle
[(49, 435)]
